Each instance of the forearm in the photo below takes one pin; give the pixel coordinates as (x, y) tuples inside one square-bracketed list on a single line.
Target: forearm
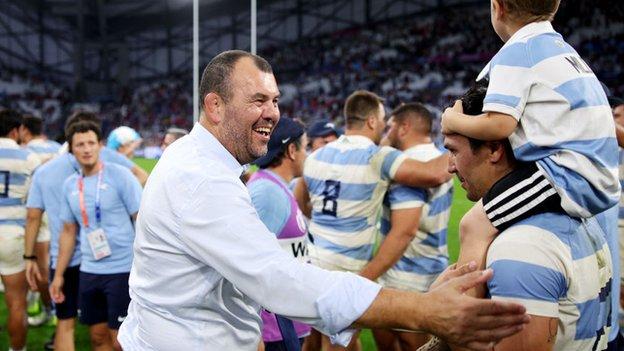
[(33, 223), (67, 243), (423, 174), (488, 126), (382, 313), (140, 175), (389, 253)]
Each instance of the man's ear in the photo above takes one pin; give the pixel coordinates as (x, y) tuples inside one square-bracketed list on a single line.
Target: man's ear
[(213, 107), (497, 151), (371, 121), (291, 150), (498, 9), (404, 128)]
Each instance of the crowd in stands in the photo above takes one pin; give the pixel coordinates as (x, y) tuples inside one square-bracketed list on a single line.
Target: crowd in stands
[(430, 58)]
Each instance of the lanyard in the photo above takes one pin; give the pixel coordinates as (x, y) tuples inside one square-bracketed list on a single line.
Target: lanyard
[(83, 207)]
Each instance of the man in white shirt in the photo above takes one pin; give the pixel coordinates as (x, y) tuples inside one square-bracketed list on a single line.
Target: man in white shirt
[(197, 229)]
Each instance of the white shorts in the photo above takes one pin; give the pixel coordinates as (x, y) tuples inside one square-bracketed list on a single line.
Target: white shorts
[(11, 252)]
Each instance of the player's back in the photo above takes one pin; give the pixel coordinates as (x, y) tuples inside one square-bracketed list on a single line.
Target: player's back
[(347, 180), (45, 149), (16, 168), (427, 255)]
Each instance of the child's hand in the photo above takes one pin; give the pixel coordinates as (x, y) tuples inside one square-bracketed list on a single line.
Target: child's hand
[(448, 115)]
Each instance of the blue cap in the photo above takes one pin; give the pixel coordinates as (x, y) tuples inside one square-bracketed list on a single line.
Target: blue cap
[(285, 132), (321, 128)]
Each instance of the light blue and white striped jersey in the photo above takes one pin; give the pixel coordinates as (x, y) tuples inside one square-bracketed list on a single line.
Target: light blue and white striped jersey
[(559, 267), (16, 168), (45, 149), (347, 180), (565, 122), (427, 255)]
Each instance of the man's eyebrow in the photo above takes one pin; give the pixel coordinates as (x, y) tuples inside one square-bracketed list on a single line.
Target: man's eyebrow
[(261, 96)]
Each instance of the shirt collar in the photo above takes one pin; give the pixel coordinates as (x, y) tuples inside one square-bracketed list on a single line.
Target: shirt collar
[(208, 143), (36, 141), (8, 143), (530, 30)]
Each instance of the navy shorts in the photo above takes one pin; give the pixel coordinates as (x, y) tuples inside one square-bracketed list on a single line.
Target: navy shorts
[(69, 308), (104, 298)]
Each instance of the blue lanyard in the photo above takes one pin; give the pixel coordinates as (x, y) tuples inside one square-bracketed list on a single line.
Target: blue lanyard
[(83, 207)]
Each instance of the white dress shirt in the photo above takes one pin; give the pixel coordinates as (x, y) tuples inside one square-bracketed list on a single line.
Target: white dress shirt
[(204, 263)]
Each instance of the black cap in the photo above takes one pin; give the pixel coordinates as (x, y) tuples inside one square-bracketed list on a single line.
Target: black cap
[(614, 101), (286, 131), (321, 128)]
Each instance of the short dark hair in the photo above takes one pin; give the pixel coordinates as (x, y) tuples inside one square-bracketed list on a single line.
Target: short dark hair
[(472, 103), (34, 124), (82, 127), (217, 74), (9, 120), (416, 112), (81, 116), (359, 105)]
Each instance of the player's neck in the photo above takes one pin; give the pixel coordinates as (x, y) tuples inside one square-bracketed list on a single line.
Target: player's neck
[(89, 170), (414, 141), (510, 28), (284, 171)]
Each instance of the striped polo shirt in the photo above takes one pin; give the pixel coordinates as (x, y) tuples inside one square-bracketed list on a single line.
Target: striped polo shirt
[(45, 149), (559, 267), (347, 180), (16, 168), (427, 255), (565, 122)]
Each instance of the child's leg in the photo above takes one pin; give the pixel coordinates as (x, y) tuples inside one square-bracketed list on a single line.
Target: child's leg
[(476, 233)]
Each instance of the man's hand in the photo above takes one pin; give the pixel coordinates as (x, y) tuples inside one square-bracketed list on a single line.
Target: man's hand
[(56, 289), (33, 275), (448, 115), (468, 322), (453, 271)]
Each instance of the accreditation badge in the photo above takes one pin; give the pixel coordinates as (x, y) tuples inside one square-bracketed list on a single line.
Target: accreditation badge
[(297, 247), (99, 244)]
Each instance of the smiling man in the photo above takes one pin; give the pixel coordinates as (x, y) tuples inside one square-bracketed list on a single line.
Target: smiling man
[(204, 263)]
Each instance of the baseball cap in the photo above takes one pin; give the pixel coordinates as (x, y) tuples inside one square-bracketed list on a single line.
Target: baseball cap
[(614, 101), (286, 131), (323, 127), (121, 136)]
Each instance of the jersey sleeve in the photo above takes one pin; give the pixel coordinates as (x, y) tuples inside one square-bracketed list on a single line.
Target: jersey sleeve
[(35, 197), (118, 159), (510, 81), (130, 191), (272, 208), (403, 197), (390, 159), (529, 268)]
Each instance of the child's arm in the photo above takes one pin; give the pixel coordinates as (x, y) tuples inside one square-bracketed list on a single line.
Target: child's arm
[(489, 126)]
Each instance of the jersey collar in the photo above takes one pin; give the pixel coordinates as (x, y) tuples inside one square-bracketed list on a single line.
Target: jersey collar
[(8, 143)]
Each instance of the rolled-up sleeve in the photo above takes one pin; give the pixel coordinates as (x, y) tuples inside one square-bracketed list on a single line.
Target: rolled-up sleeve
[(220, 227)]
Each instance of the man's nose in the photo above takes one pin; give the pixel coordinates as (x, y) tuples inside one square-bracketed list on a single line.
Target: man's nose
[(451, 165)]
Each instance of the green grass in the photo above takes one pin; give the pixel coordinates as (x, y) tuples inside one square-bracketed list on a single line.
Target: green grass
[(37, 337)]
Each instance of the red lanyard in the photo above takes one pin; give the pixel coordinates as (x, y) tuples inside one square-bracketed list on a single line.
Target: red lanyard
[(83, 207)]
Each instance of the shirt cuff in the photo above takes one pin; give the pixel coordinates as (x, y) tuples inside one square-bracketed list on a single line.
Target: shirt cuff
[(343, 303)]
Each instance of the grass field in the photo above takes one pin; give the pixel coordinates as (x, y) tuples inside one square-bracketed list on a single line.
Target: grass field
[(38, 336)]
